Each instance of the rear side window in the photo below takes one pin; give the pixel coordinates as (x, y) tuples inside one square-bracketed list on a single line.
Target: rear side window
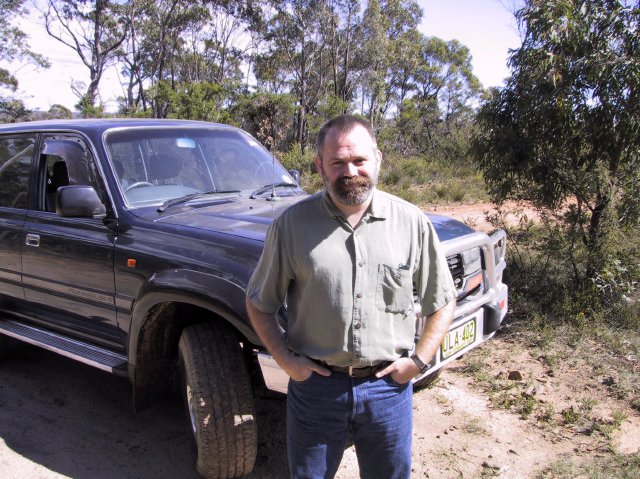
[(16, 156)]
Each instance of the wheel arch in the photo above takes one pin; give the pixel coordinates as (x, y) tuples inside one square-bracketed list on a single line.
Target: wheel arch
[(159, 316)]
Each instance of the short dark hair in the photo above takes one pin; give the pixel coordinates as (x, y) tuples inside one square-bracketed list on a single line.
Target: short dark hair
[(342, 124)]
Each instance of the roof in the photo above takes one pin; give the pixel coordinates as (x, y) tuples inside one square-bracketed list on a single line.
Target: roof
[(99, 125)]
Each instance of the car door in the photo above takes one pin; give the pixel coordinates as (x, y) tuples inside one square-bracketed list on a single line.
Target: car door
[(67, 263), (16, 158)]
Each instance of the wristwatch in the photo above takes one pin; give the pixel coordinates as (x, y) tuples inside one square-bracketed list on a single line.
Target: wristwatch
[(421, 365)]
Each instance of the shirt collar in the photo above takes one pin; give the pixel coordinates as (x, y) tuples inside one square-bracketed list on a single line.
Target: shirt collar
[(377, 209)]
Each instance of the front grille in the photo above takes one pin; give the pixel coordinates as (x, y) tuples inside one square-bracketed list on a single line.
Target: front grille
[(457, 269)]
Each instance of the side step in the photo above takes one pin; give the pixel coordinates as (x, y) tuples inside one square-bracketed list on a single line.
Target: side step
[(72, 348)]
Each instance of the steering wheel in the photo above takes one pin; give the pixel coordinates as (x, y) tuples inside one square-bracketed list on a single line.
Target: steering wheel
[(137, 184)]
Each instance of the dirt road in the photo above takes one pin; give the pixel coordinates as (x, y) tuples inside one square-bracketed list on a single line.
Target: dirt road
[(59, 418)]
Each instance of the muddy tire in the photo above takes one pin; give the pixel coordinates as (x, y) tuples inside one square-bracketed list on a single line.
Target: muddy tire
[(427, 381), (219, 401)]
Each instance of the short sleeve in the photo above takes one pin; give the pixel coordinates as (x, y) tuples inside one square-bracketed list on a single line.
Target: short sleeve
[(434, 284), (267, 288)]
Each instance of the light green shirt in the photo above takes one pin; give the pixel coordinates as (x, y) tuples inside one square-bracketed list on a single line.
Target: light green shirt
[(349, 292)]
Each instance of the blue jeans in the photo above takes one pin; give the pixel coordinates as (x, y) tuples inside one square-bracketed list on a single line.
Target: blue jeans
[(322, 410)]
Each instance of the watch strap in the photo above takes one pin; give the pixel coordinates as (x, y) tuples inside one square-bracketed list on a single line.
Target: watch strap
[(418, 362)]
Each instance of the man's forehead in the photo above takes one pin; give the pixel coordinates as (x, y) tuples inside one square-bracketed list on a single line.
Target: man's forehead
[(356, 137)]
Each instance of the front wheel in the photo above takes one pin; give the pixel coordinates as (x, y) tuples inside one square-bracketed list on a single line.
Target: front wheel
[(219, 401), (427, 381)]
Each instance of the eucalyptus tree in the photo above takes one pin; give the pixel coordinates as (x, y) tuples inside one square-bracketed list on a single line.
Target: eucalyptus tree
[(220, 46), (436, 92), (565, 129), (445, 77), (294, 54), (14, 49), (94, 30), (131, 57), (389, 27), (164, 47), (341, 33), (180, 50), (14, 46)]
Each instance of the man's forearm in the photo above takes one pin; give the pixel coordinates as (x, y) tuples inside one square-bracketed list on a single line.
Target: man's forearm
[(266, 327), (436, 326)]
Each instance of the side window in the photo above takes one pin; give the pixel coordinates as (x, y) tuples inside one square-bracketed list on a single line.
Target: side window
[(16, 156), (66, 160)]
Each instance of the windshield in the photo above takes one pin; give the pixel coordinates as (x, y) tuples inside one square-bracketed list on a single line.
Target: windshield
[(154, 165)]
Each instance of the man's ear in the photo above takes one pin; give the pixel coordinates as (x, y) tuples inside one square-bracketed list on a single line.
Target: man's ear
[(318, 162)]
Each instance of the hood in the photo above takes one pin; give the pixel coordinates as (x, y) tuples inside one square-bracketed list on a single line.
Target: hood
[(250, 218), (448, 228), (235, 215)]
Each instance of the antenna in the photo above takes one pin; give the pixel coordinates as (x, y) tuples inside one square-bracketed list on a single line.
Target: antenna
[(273, 196)]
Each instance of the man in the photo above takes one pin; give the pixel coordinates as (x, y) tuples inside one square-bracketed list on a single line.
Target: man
[(345, 261)]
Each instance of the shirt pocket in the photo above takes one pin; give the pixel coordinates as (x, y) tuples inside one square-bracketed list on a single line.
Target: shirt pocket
[(395, 289)]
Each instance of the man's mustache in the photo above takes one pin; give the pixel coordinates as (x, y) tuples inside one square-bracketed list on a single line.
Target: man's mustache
[(357, 181)]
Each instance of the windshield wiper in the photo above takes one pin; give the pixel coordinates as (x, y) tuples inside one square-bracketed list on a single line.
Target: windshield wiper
[(272, 186), (183, 199)]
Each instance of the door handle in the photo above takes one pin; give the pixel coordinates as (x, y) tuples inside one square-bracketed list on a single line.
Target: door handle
[(33, 240)]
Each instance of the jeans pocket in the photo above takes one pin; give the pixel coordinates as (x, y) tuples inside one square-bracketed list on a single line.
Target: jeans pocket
[(303, 381), (392, 382)]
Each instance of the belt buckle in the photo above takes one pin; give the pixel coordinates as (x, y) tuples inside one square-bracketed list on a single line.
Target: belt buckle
[(350, 371)]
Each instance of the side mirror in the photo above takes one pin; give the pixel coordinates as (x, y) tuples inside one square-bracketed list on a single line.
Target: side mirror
[(79, 201), (295, 174)]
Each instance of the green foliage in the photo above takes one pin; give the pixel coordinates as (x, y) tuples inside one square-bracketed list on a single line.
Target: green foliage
[(58, 111), (12, 111), (295, 159), (14, 46), (266, 116), (547, 264), (426, 182), (566, 127), (199, 101), (88, 109), (614, 466)]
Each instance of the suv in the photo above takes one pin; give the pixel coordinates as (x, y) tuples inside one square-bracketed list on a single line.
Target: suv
[(128, 244)]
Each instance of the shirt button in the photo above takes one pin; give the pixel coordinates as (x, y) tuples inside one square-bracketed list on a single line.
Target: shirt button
[(361, 264), (359, 295), (357, 325)]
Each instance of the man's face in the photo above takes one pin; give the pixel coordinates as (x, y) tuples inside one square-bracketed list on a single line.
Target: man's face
[(349, 165)]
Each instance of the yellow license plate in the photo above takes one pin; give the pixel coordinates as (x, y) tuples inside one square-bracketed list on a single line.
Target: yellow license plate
[(457, 339)]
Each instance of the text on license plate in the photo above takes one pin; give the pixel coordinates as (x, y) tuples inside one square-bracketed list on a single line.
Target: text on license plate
[(457, 339)]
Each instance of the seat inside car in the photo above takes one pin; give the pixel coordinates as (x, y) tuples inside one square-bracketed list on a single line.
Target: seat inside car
[(163, 169), (59, 177)]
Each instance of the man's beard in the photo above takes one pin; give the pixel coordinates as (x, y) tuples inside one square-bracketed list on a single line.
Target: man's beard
[(350, 191)]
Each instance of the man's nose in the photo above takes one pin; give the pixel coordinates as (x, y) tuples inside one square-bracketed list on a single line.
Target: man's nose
[(351, 170)]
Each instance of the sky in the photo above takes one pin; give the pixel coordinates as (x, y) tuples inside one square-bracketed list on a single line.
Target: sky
[(486, 27)]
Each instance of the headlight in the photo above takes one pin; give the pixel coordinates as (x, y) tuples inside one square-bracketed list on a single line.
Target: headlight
[(471, 261)]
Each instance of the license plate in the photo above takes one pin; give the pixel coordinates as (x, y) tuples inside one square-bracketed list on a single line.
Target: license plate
[(457, 339)]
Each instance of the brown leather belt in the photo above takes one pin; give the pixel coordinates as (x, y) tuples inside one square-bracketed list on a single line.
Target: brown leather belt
[(357, 373)]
